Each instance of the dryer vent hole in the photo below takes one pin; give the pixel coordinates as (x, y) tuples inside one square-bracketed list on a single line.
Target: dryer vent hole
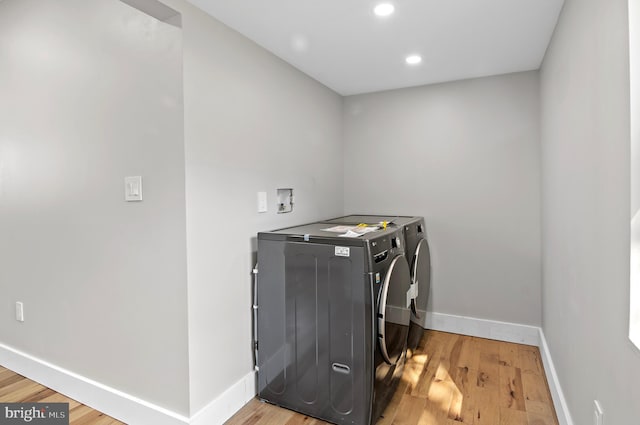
[(285, 200)]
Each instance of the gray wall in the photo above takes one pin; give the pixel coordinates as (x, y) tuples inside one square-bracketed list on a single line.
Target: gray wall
[(91, 93), (586, 203), (466, 156), (252, 123)]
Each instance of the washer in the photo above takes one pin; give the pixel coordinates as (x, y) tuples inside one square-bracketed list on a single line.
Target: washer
[(418, 257), (326, 345)]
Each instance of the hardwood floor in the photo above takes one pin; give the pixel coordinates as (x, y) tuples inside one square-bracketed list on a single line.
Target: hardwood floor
[(451, 380), (16, 388)]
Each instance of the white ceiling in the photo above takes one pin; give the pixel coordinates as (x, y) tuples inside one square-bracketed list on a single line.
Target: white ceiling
[(342, 44)]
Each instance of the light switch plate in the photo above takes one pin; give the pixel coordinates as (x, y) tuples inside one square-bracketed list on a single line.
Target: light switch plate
[(19, 311), (133, 188), (262, 202)]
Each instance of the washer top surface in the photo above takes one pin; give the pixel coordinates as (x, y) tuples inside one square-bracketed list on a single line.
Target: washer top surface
[(345, 233), (363, 218), (372, 219)]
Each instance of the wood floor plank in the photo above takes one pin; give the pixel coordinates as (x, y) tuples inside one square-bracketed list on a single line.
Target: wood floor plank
[(414, 369), (38, 396), (434, 414), (89, 418), (489, 369), (535, 388), (529, 360), (513, 417), (508, 354), (104, 420), (76, 414), (441, 390), (305, 420), (7, 377), (257, 412), (486, 410), (410, 410), (421, 387), (17, 391), (539, 407), (537, 419), (469, 354), (450, 356), (462, 407), (511, 392)]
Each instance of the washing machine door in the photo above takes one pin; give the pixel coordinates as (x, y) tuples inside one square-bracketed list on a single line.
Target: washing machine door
[(393, 325), (420, 278)]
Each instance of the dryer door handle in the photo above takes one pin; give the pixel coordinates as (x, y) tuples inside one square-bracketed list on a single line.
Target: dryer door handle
[(393, 290), (400, 262)]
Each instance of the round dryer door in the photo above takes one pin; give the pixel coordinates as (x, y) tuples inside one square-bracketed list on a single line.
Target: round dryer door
[(421, 277), (393, 326)]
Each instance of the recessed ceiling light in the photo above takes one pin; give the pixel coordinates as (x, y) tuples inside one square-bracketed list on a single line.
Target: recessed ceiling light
[(300, 43), (413, 59), (384, 9)]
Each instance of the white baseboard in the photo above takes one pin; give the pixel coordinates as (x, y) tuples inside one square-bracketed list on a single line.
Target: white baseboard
[(482, 328), (560, 403), (115, 403), (228, 403)]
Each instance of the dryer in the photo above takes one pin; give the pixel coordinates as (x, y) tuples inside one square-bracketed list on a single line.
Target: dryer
[(325, 344), (418, 257)]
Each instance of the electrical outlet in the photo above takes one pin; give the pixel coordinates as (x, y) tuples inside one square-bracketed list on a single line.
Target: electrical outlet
[(598, 413), (19, 311)]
